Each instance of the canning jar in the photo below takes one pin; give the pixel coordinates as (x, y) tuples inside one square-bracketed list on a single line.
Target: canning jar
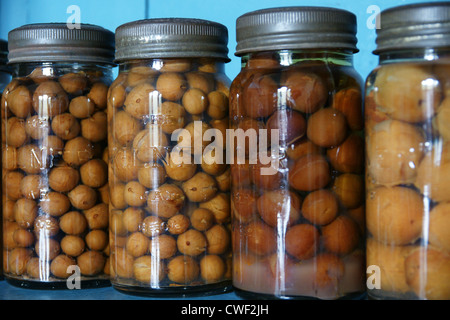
[(407, 118), (297, 176), (169, 182), (5, 78), (55, 190)]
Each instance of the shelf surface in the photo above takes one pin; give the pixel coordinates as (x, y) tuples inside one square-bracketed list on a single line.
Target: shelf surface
[(10, 292)]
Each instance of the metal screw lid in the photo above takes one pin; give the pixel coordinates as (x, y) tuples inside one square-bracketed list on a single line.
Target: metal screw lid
[(55, 42), (171, 38), (295, 28), (414, 26)]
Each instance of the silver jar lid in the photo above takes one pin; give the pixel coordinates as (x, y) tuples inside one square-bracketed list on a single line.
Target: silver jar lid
[(290, 28), (419, 25), (55, 42), (171, 38)]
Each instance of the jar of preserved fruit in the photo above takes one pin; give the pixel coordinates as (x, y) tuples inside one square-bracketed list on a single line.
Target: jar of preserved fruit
[(169, 181), (55, 188), (407, 118), (5, 78), (298, 206)]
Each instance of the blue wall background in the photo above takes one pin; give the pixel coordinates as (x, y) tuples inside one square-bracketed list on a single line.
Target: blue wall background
[(112, 13)]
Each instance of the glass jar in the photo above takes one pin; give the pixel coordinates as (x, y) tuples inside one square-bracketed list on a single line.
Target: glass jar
[(407, 119), (169, 182), (298, 206), (5, 78), (55, 188)]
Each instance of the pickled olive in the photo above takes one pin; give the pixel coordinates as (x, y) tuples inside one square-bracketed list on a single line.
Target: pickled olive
[(152, 226), (16, 134), (23, 238), (94, 173), (11, 182), (394, 151), (302, 241), (349, 155), (97, 216), (81, 107), (244, 204), (82, 197), (45, 226), (178, 224), (63, 179), (122, 262), (341, 236), (163, 246), (174, 65), (60, 265), (182, 269), (125, 127), (191, 243), (261, 239), (171, 85), (73, 83), (400, 220), (264, 177), (132, 218), (135, 194), (37, 127), (349, 188), (391, 260), (201, 187), (31, 186), (91, 262), (306, 91), (224, 180), (9, 158), (436, 272), (433, 174), (50, 98), (19, 101), (349, 102), (117, 96), (98, 94), (137, 244), (47, 249), (439, 220), (150, 144), (220, 206), (279, 207), (407, 92), (320, 207), (31, 159), (260, 96), (202, 219), (78, 151), (116, 225), (94, 128), (166, 201), (137, 102), (218, 105), (72, 245), (146, 270), (212, 268), (117, 195), (195, 101), (73, 222), (291, 125), (125, 165), (18, 259), (171, 117), (52, 145), (200, 80), (327, 127), (152, 175), (25, 211), (310, 172)]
